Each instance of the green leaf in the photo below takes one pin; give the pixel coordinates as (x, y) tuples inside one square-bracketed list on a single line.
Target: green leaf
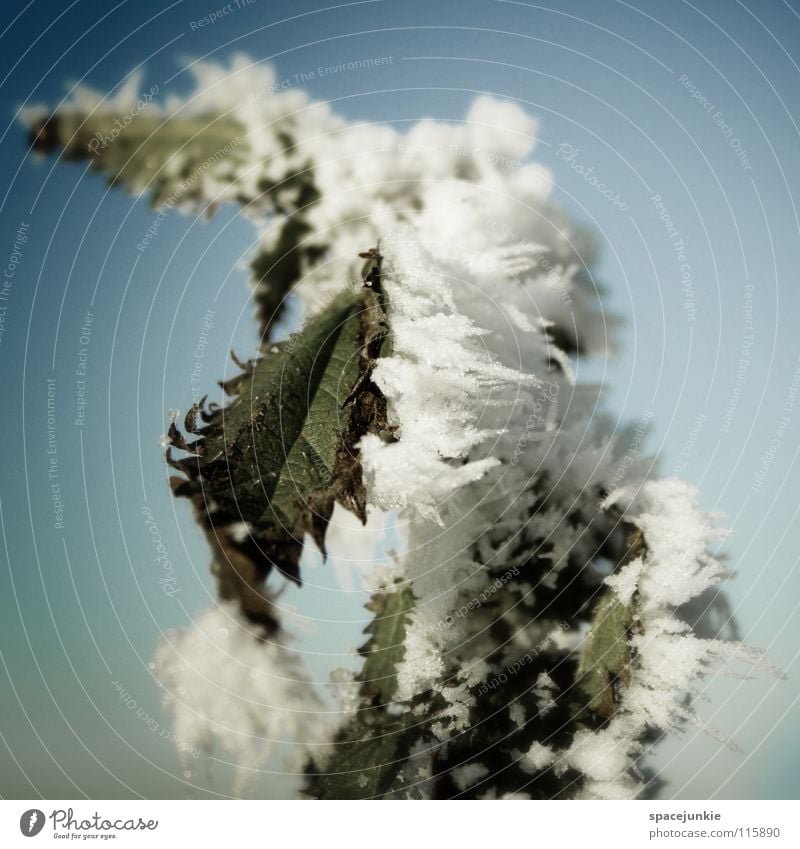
[(269, 467), (605, 660), (168, 156), (372, 748), (385, 648), (604, 667)]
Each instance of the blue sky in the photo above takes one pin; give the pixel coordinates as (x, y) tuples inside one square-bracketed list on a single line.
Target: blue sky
[(686, 111)]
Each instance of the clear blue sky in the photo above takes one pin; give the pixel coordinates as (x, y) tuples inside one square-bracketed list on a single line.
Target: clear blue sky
[(627, 85)]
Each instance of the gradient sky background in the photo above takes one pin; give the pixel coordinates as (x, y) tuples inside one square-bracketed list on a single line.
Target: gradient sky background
[(82, 608)]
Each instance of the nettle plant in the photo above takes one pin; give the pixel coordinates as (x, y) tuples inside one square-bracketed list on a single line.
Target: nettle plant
[(533, 638)]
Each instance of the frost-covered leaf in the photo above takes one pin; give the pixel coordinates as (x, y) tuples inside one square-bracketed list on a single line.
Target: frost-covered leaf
[(606, 655), (168, 156), (489, 671), (370, 749), (268, 467), (199, 161), (320, 187), (604, 666)]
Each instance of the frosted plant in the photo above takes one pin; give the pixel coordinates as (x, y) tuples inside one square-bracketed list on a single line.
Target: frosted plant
[(529, 641)]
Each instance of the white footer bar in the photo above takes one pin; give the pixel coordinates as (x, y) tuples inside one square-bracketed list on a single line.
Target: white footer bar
[(400, 825)]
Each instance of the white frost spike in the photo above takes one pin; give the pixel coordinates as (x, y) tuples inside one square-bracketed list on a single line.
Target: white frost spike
[(437, 382), (670, 660), (678, 535), (625, 581), (602, 757), (228, 688)]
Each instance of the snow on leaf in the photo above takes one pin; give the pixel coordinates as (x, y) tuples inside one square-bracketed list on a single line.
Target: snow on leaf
[(369, 749), (283, 451)]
